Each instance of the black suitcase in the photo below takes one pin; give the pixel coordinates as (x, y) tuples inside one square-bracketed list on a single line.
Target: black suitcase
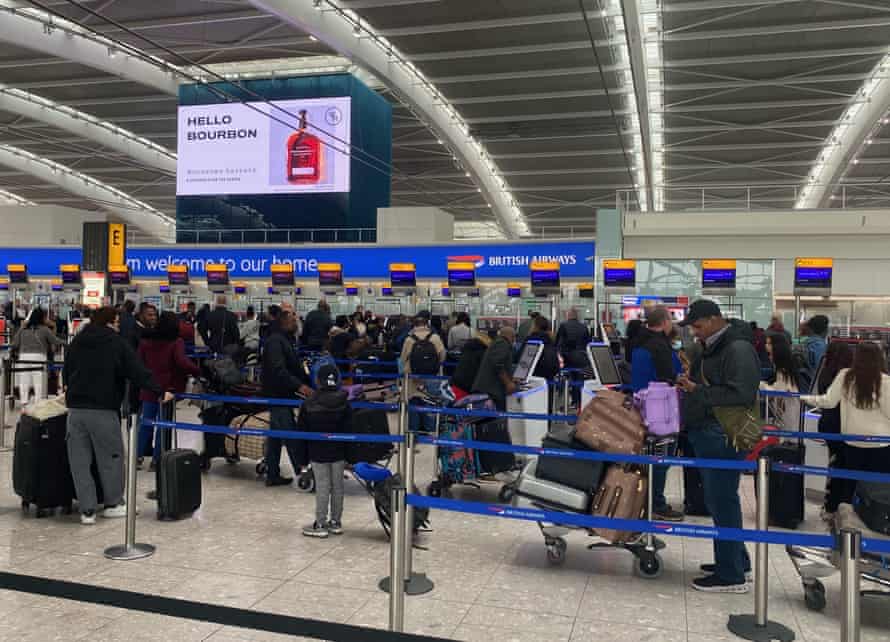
[(178, 484), (490, 461), (786, 490), (367, 421), (40, 471), (693, 488), (580, 474), (872, 504)]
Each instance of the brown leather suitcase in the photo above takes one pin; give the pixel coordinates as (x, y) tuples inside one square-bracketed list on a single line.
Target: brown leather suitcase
[(622, 494), (610, 423)]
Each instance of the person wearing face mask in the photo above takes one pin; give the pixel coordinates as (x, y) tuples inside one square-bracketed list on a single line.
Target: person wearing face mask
[(653, 359)]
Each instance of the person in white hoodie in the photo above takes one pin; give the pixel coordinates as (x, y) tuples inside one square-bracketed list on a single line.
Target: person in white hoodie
[(863, 393)]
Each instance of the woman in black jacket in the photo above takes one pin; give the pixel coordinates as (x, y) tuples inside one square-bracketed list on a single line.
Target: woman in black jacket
[(471, 356)]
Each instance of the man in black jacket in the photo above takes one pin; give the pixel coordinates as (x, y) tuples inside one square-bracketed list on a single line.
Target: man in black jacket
[(283, 378), (726, 375), (317, 326), (220, 328), (97, 366)]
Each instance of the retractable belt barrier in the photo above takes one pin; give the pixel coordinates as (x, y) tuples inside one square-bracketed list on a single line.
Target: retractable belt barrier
[(279, 434), (273, 401), (640, 526)]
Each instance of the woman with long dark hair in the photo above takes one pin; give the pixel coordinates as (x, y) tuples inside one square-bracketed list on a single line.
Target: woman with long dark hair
[(863, 394), (163, 352), (787, 410), (838, 356)]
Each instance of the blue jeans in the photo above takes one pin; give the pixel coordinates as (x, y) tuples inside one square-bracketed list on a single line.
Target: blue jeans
[(282, 418), (721, 489), (147, 433)]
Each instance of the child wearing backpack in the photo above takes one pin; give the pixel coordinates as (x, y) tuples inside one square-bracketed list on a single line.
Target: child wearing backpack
[(327, 411), (422, 353)]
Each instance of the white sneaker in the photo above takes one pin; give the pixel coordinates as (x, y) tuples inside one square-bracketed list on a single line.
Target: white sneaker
[(88, 519), (117, 511)]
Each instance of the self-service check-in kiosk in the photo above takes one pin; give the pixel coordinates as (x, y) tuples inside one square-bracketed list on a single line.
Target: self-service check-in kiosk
[(605, 372), (532, 396)]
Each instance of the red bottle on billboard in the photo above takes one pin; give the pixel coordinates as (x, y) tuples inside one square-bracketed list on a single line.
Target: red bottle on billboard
[(304, 157)]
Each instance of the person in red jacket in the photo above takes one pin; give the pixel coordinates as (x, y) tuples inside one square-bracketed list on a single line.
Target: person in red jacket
[(163, 353)]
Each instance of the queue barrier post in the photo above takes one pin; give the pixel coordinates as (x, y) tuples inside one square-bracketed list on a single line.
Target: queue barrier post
[(415, 583), (396, 561), (44, 379), (130, 549), (4, 367), (851, 546), (758, 627), (566, 384)]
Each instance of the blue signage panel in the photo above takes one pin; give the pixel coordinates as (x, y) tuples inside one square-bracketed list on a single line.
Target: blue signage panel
[(492, 261)]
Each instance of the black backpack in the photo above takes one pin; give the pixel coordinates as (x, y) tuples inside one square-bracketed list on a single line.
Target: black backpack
[(424, 358), (383, 505)]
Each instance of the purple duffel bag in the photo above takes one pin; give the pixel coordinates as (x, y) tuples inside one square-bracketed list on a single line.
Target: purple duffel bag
[(659, 405)]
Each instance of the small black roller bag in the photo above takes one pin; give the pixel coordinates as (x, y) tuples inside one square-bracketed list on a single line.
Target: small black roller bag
[(872, 504), (178, 481), (786, 490), (580, 474)]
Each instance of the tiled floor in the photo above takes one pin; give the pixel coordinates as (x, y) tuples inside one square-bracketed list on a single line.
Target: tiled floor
[(493, 583)]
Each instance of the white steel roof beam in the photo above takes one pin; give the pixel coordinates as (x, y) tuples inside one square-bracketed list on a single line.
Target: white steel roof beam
[(865, 115), (36, 30), (636, 56), (83, 125), (777, 30), (133, 211), (347, 33)]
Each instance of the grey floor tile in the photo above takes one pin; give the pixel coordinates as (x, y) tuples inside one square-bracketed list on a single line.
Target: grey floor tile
[(587, 631)]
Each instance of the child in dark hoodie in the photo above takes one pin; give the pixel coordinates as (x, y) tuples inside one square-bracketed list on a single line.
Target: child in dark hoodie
[(327, 411)]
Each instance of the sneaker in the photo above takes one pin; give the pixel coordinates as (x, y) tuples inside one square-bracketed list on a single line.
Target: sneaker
[(88, 518), (710, 569), (120, 510), (713, 584), (667, 514), (316, 530), (334, 528), (279, 481)]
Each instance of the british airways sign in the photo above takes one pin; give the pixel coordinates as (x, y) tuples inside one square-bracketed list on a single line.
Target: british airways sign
[(493, 261)]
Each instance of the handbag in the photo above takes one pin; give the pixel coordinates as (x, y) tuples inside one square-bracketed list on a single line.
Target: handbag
[(742, 427)]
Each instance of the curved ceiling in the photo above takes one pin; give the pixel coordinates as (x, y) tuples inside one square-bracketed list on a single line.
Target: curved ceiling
[(742, 97)]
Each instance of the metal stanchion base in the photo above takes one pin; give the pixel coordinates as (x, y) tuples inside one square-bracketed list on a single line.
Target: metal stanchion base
[(124, 552), (745, 626), (417, 585)]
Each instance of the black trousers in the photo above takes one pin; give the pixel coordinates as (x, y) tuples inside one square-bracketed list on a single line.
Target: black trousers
[(872, 460)]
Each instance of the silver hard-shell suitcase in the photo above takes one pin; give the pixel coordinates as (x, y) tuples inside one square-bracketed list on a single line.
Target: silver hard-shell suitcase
[(551, 493)]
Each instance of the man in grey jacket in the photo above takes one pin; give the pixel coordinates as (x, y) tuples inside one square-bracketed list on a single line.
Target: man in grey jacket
[(726, 374)]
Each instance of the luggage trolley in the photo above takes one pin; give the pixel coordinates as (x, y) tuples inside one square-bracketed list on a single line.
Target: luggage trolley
[(813, 564), (455, 465), (644, 547)]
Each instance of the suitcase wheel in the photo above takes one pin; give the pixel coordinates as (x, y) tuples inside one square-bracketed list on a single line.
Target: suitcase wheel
[(44, 512), (261, 468), (649, 565), (25, 506), (434, 489), (505, 496), (814, 595), (307, 481), (556, 551)]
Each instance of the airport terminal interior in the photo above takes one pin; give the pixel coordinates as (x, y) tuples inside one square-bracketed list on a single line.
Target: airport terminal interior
[(585, 302)]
